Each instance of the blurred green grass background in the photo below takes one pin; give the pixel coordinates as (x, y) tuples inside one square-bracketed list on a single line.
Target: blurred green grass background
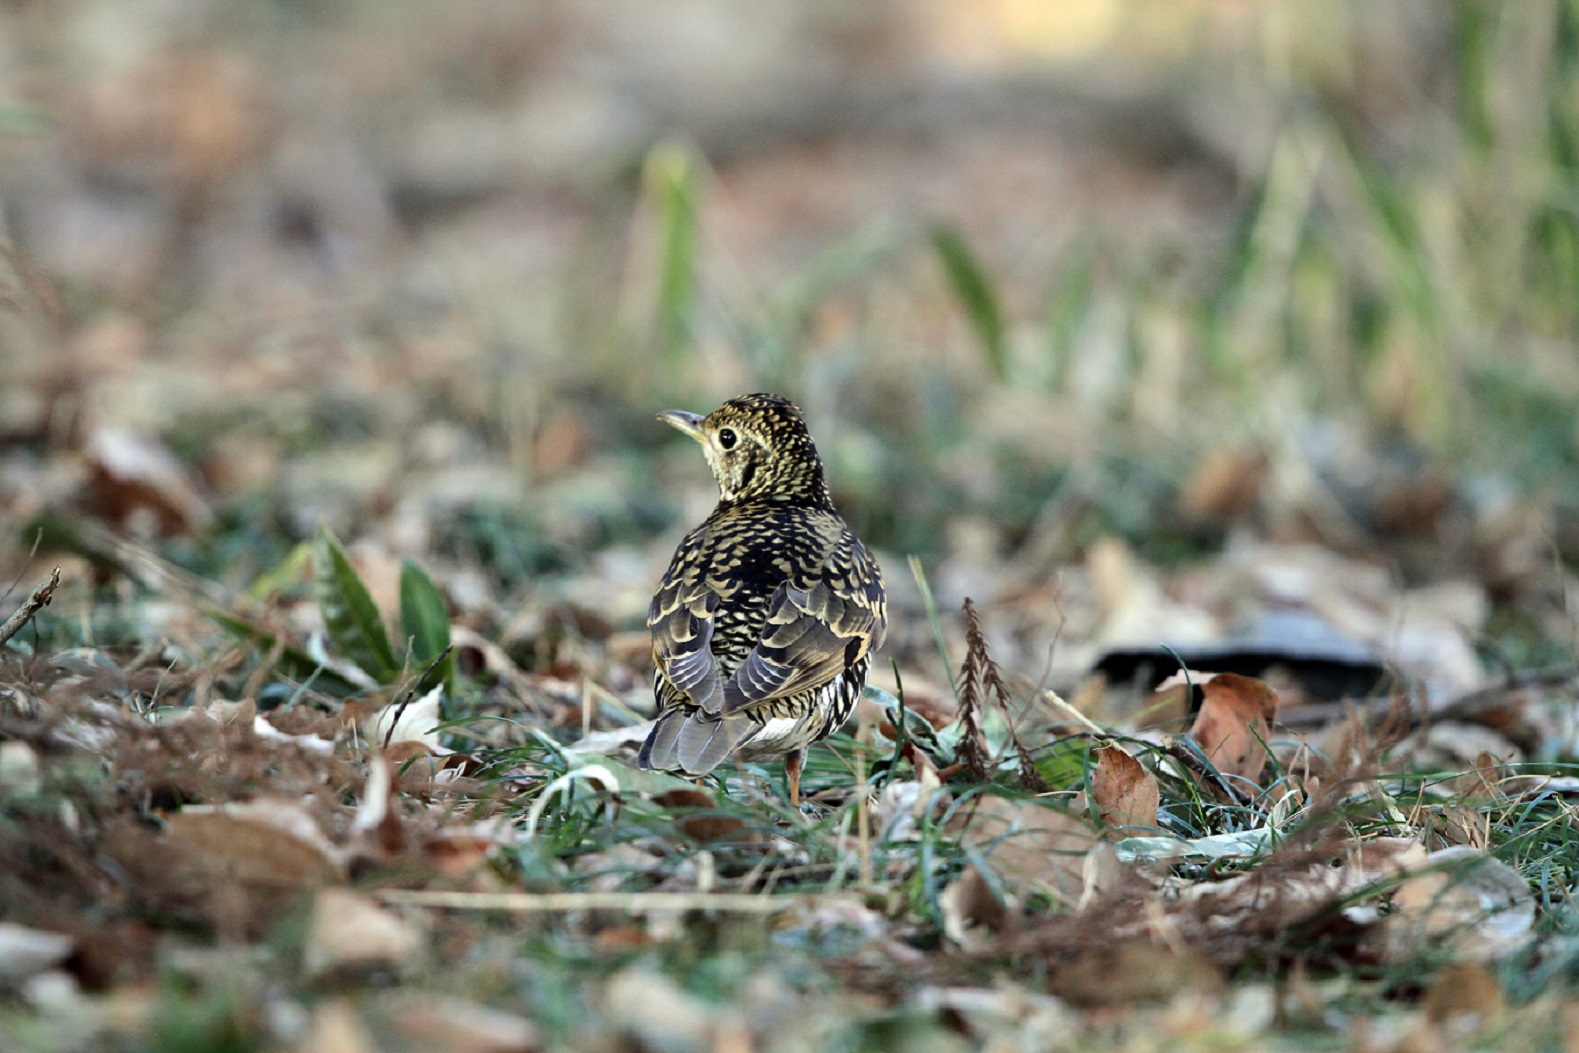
[(1028, 267)]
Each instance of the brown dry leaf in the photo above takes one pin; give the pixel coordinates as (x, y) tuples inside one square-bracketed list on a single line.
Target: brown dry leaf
[(336, 1028), (190, 114), (1103, 873), (971, 910), (1226, 485), (245, 712), (1122, 974), (139, 486), (655, 1011), (1244, 910), (452, 1025), (235, 866), (1467, 902), (701, 824), (1030, 848), (267, 843), (350, 932), (1465, 996), (1261, 903), (1385, 858), (620, 938), (1125, 792), (1456, 825), (376, 822), (1235, 723), (461, 854)]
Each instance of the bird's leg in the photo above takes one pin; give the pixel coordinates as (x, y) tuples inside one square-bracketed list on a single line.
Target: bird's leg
[(794, 760)]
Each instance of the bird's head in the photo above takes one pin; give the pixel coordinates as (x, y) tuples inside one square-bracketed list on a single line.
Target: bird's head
[(759, 449)]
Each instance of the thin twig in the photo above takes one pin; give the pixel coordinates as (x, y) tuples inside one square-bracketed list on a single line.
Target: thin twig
[(1052, 698), (411, 694), (554, 902), (35, 603)]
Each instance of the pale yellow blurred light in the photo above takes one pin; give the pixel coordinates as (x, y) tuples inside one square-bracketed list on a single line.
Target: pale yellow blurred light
[(1055, 28), (997, 32)]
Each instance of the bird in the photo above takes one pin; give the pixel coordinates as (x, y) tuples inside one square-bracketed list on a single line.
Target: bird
[(765, 623)]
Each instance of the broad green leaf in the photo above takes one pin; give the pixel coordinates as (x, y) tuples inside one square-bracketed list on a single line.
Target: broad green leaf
[(426, 622), (976, 295), (349, 613)]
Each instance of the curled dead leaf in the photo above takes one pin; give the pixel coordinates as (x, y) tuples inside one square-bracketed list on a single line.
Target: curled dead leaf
[(407, 722), (1465, 997), (1235, 723), (336, 1028), (351, 932), (1465, 902), (699, 819), (971, 910), (137, 484), (1123, 973), (1125, 793), (453, 1025), (235, 866), (267, 843)]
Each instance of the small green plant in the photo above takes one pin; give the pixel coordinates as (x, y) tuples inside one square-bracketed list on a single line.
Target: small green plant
[(352, 622), (356, 628)]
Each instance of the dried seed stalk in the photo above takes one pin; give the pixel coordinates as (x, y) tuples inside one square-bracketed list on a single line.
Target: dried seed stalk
[(981, 682)]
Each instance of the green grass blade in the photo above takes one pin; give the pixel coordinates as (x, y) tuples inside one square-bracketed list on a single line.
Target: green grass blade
[(425, 619), (920, 574), (975, 292), (671, 180), (1068, 308), (286, 573), (349, 613)]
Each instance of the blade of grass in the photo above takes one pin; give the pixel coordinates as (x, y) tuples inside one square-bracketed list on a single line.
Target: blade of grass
[(426, 622), (971, 286), (671, 181), (933, 620)]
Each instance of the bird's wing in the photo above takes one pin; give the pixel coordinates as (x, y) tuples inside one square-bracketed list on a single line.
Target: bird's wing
[(817, 627), (681, 621)]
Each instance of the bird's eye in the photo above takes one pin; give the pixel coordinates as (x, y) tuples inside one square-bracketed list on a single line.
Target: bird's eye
[(727, 438)]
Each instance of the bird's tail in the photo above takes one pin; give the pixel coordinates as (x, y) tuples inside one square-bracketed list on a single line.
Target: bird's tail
[(693, 742)]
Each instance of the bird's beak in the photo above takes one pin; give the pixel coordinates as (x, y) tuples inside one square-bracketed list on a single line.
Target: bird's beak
[(690, 423)]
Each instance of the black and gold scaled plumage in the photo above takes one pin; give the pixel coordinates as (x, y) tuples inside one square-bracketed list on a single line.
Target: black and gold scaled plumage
[(766, 620)]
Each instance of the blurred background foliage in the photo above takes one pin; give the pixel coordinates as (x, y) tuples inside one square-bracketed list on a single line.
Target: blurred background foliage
[(1039, 273)]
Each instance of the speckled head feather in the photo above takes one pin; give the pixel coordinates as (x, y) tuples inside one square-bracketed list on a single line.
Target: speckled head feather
[(765, 623), (759, 449)]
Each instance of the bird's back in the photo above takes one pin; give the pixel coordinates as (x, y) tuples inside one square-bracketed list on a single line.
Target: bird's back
[(744, 555)]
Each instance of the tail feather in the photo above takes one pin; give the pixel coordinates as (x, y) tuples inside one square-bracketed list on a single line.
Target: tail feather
[(691, 743), (658, 751)]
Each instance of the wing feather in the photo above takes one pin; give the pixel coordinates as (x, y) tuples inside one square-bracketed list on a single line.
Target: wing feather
[(681, 621), (817, 628)]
